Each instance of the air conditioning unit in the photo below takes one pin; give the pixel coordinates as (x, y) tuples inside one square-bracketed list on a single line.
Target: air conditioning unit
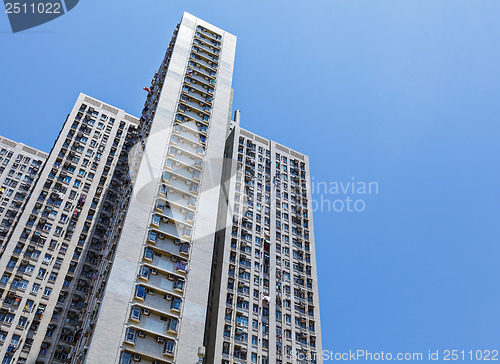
[(171, 277), (141, 334), (160, 339), (168, 297), (150, 291), (154, 271), (173, 259), (177, 242), (161, 236), (145, 312), (136, 357)]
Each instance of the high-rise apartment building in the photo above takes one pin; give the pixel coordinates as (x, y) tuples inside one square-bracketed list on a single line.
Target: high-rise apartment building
[(56, 253), (20, 166), (174, 238), (264, 297), (158, 287)]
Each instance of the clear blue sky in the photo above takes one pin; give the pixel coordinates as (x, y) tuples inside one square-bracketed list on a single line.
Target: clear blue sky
[(402, 92)]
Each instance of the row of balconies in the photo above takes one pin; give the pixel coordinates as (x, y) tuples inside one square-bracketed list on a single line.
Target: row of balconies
[(204, 62)]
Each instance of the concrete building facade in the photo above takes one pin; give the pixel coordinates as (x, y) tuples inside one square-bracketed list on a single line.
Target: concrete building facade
[(20, 166), (176, 237), (264, 295), (52, 259), (159, 284)]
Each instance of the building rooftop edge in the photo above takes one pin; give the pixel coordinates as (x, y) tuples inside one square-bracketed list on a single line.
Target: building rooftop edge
[(39, 153), (136, 119), (264, 140), (205, 23)]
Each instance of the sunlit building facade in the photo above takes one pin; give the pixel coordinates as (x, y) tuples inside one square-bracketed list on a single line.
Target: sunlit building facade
[(175, 237)]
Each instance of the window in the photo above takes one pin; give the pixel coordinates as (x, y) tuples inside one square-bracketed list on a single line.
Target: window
[(140, 292), (152, 236), (130, 335), (242, 320), (126, 358), (144, 272), (148, 254), (155, 220), (135, 313), (169, 347), (22, 321), (7, 318), (35, 288), (29, 305), (47, 292), (41, 273), (176, 303), (172, 324)]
